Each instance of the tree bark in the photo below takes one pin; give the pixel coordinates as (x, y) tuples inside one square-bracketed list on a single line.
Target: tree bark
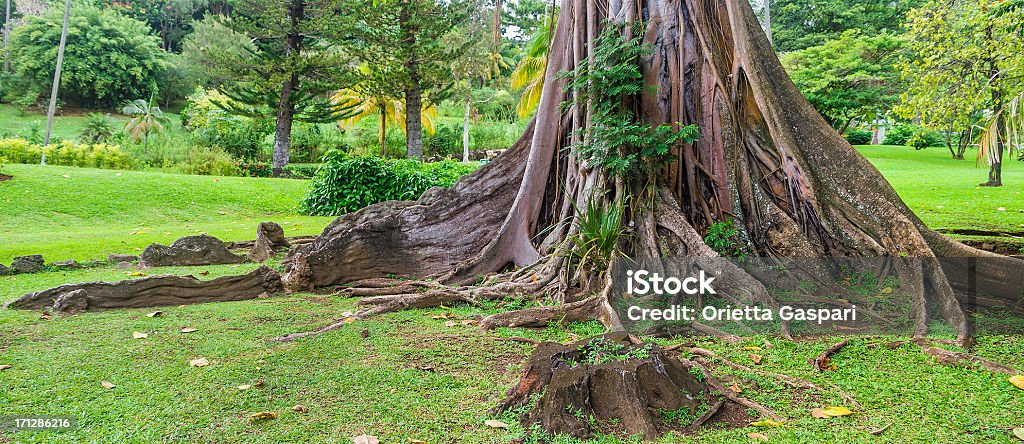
[(285, 106), (465, 120), (995, 172), (765, 160), (413, 89)]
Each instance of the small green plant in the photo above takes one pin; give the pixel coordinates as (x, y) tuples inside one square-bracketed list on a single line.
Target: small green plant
[(857, 136), (600, 350), (597, 240), (208, 162), (721, 238), (99, 128), (608, 84), (344, 184)]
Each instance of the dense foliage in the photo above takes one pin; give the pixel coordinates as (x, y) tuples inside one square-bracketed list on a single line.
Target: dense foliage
[(109, 58), (607, 82), (344, 184), (799, 24), (211, 126), (67, 153), (852, 77)]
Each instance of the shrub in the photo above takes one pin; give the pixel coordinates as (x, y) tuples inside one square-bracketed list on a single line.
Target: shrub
[(67, 153), (254, 170), (491, 136), (99, 128), (302, 171), (311, 141), (208, 162), (923, 138), (211, 126), (446, 141), (108, 58), (345, 184), (857, 136)]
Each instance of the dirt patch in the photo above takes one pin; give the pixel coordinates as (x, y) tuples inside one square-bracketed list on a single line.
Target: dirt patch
[(4, 177)]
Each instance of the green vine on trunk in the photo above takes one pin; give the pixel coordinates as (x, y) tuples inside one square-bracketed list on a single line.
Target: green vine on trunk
[(609, 84)]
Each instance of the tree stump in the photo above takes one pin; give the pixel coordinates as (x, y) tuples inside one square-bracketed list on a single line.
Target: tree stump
[(269, 239), (607, 384)]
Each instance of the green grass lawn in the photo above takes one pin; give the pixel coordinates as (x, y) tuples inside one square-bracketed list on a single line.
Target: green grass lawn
[(92, 213), (376, 385), (17, 121), (945, 192)]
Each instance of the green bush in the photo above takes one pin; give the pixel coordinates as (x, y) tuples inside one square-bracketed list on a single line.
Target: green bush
[(491, 136), (302, 171), (345, 184), (923, 138), (311, 141), (254, 169), (207, 161), (212, 127), (99, 128), (857, 136), (446, 141), (109, 58), (68, 154)]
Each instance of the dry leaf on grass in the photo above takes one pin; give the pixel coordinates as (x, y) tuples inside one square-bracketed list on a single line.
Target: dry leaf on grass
[(155, 314), (365, 439), (1018, 381), (258, 383), (201, 362), (300, 409), (495, 424), (735, 388), (830, 412), (139, 335), (244, 387), (757, 436), (752, 349), (263, 415), (136, 274), (1019, 433), (756, 358), (189, 330), (417, 441), (107, 384), (470, 322), (767, 422), (4, 366), (444, 316), (450, 324)]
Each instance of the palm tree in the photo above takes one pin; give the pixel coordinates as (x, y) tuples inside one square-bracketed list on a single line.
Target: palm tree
[(99, 128), (529, 72), (147, 118), (1004, 126), (389, 111)]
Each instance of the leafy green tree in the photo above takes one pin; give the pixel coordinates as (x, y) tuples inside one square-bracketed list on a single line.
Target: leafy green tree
[(169, 19), (108, 58), (293, 69), (410, 35), (968, 56), (99, 128), (210, 41), (854, 77), (799, 24), (525, 17), (147, 118)]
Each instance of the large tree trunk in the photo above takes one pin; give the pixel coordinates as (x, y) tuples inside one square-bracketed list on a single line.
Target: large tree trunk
[(465, 120), (413, 89), (285, 105), (765, 160)]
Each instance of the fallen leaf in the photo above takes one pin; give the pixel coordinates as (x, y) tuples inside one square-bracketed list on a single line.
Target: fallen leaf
[(65, 176), (204, 273), (244, 387), (45, 316), (4, 367), (735, 388), (136, 274), (819, 413), (201, 362), (107, 384), (470, 322), (222, 213), (756, 358), (832, 412), (1019, 433), (768, 422), (263, 415), (495, 424), (886, 290), (757, 436), (258, 383), (450, 324), (417, 441), (155, 314), (189, 330), (1017, 380), (300, 409), (426, 368), (753, 349), (444, 316), (139, 335), (365, 439), (364, 333)]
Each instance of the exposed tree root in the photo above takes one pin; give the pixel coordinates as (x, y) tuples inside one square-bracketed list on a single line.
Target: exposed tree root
[(730, 395), (791, 381), (821, 363), (960, 359)]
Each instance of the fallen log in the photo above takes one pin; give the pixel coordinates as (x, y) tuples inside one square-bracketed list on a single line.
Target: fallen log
[(151, 291)]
